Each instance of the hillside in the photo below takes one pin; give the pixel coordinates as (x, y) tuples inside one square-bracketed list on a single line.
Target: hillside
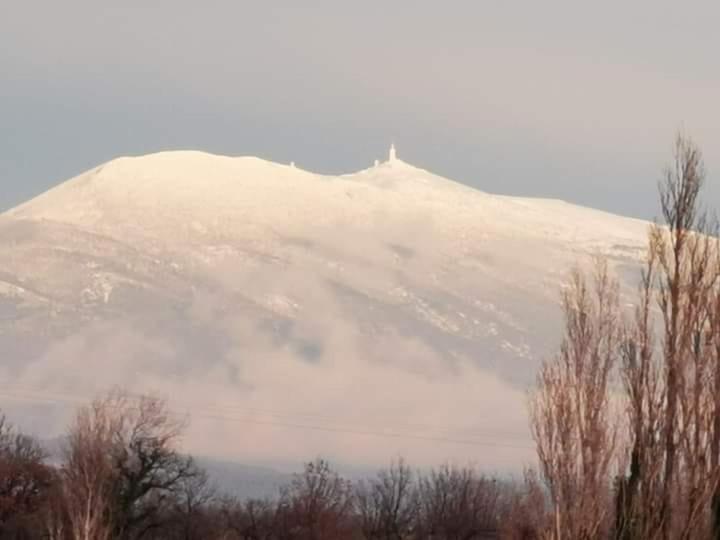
[(358, 316)]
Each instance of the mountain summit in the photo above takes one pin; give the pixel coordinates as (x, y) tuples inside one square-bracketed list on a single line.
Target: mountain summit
[(181, 191), (390, 305)]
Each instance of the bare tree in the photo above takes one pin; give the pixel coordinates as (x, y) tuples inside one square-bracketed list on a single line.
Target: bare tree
[(571, 419), (525, 515), (88, 476), (638, 496), (122, 467), (253, 519), (25, 480), (672, 382), (714, 351), (188, 513), (318, 503), (676, 251), (150, 470), (387, 505), (53, 519), (457, 503)]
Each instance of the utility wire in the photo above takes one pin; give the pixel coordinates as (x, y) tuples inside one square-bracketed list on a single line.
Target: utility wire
[(199, 411)]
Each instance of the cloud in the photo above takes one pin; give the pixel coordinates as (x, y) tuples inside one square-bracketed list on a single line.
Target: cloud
[(273, 364)]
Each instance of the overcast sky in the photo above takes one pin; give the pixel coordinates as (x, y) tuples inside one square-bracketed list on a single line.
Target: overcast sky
[(566, 99)]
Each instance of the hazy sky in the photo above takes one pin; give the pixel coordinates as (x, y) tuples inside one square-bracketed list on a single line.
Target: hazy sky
[(566, 99)]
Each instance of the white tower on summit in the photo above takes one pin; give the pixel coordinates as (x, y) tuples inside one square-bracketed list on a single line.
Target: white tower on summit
[(393, 154)]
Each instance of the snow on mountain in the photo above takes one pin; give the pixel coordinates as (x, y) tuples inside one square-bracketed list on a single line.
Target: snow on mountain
[(358, 316)]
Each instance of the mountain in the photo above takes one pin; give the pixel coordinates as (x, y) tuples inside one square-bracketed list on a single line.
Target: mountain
[(290, 314)]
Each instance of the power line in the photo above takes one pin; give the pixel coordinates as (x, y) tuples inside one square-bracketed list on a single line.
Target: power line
[(374, 433), (281, 415), (199, 411)]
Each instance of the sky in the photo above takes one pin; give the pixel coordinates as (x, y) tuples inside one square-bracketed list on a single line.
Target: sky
[(562, 99)]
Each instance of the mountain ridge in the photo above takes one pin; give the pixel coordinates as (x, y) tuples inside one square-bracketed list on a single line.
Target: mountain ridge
[(265, 287), (154, 179), (167, 155)]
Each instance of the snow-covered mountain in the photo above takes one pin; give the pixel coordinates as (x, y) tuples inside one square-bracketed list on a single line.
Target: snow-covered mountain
[(293, 314)]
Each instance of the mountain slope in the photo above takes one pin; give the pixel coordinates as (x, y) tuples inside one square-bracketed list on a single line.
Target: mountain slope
[(359, 316)]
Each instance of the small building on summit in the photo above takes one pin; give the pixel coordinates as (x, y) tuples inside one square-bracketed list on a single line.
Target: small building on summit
[(392, 156)]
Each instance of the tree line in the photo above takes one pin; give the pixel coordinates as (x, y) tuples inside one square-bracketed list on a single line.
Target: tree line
[(121, 475)]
